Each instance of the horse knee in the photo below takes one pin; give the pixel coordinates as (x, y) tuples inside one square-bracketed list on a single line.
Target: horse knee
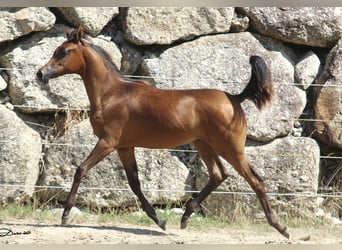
[(219, 179), (80, 173)]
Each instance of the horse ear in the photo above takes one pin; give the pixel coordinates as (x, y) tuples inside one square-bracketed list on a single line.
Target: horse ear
[(67, 31), (74, 35), (79, 33)]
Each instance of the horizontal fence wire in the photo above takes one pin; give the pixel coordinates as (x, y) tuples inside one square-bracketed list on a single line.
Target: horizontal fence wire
[(207, 79), (303, 194), (77, 145)]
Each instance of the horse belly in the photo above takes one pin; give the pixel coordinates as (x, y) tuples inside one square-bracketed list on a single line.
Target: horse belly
[(156, 137)]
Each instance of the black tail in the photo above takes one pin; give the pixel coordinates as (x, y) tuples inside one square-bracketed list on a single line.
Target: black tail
[(259, 88)]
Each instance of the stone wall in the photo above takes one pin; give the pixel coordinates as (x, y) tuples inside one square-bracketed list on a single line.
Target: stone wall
[(44, 137)]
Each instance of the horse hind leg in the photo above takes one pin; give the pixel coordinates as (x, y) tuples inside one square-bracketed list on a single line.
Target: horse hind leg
[(259, 188), (217, 174), (127, 158), (247, 171)]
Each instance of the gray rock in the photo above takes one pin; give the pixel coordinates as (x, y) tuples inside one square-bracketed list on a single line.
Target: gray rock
[(165, 25), (328, 106), (312, 26), (239, 23), (158, 171), (20, 152), (24, 21), (65, 91), (306, 70), (92, 19), (288, 165), (222, 62)]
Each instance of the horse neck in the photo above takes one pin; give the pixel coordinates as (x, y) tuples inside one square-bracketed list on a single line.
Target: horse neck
[(98, 77)]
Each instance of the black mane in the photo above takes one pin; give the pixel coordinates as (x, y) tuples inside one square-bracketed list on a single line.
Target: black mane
[(106, 57)]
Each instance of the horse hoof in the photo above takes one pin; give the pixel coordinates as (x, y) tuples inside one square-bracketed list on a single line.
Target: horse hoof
[(65, 222), (162, 224), (184, 225), (285, 233)]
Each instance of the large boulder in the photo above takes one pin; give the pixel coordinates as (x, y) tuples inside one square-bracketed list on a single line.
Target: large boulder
[(20, 151), (307, 69), (312, 26), (165, 25), (327, 110), (24, 21), (158, 171), (92, 19), (27, 56), (288, 165), (222, 62)]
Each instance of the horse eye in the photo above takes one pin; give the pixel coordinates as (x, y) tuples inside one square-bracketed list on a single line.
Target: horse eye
[(61, 53)]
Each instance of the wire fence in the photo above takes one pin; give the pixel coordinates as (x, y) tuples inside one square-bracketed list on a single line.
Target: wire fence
[(78, 145)]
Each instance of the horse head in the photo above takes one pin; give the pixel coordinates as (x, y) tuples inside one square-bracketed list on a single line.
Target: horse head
[(67, 58)]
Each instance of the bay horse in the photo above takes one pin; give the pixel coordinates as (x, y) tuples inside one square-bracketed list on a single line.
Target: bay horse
[(130, 113)]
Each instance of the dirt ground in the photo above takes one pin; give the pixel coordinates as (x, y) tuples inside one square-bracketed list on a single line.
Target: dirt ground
[(91, 233)]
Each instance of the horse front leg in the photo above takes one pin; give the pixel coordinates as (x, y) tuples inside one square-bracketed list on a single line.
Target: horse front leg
[(128, 160), (101, 150)]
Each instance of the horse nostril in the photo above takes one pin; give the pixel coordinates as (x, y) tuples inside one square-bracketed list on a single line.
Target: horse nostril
[(39, 74)]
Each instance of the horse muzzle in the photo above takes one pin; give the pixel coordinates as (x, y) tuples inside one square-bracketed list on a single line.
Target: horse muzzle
[(44, 75)]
